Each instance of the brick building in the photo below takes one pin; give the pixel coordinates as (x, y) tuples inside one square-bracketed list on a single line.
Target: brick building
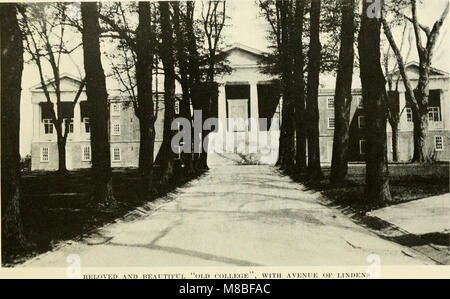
[(123, 128), (245, 93)]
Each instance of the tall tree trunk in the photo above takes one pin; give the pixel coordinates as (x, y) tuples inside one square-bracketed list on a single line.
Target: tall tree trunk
[(314, 55), (282, 49), (394, 126), (420, 128), (374, 99), (11, 87), (299, 90), (422, 152), (207, 97), (193, 67), (181, 49), (410, 95), (419, 100), (343, 94), (167, 155), (286, 159), (185, 112), (61, 155), (144, 64), (98, 103)]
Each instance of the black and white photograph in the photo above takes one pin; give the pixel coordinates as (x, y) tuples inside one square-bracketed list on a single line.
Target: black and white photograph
[(225, 138)]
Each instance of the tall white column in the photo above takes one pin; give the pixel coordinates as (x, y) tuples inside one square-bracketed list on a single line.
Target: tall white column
[(77, 122), (254, 115), (280, 110), (222, 115), (36, 121), (254, 112)]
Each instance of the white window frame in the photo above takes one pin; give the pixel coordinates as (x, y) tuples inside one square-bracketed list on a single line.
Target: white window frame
[(433, 110), (71, 126), (41, 155), (409, 114), (332, 103), (435, 143), (331, 127), (48, 122), (359, 121), (83, 156), (115, 109), (114, 131), (114, 156), (361, 141)]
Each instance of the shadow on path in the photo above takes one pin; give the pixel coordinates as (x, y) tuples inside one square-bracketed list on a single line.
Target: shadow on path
[(175, 250)]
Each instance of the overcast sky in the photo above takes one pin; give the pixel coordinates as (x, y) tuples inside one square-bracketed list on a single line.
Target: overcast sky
[(246, 27)]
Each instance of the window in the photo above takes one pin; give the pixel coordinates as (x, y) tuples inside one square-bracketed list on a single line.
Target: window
[(87, 125), (45, 154), (86, 153), (362, 147), (361, 122), (330, 103), (116, 129), (70, 124), (331, 123), (116, 154), (434, 114), (48, 126), (439, 143), (409, 115), (116, 109)]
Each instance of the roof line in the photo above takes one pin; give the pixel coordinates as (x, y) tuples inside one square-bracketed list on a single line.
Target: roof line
[(415, 63), (245, 48), (48, 81)]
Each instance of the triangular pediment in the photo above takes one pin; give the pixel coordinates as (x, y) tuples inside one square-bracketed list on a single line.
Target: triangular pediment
[(67, 83), (238, 54), (412, 71)]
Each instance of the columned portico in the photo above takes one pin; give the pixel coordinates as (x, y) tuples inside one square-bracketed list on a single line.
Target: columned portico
[(244, 96), (239, 115)]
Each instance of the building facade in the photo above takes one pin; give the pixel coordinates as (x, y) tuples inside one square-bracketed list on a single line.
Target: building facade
[(123, 128), (248, 112), (438, 135)]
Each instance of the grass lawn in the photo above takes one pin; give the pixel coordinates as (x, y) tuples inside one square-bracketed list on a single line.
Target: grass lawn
[(407, 182), (56, 208)]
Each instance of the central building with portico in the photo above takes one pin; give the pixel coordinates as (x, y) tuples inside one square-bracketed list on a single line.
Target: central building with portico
[(248, 108)]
